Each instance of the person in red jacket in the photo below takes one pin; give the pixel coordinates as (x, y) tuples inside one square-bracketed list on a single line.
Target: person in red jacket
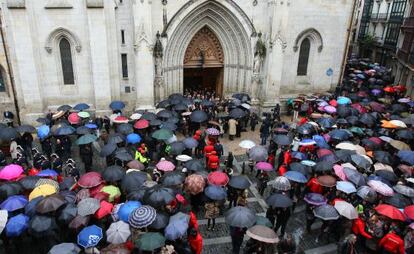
[(213, 161), (314, 186), (196, 241), (391, 243), (287, 157), (193, 221), (282, 169), (358, 227), (208, 149)]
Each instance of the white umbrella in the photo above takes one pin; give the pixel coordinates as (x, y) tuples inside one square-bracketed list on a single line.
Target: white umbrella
[(246, 106), (360, 150), (3, 219), (380, 166), (247, 144), (135, 116), (398, 123), (172, 139), (386, 139), (348, 165), (346, 209), (346, 146), (183, 157), (118, 232)]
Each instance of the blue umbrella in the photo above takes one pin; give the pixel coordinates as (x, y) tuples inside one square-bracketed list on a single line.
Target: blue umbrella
[(133, 138), (320, 141), (81, 106), (307, 142), (299, 156), (90, 236), (142, 217), (117, 105), (190, 143), (176, 229), (296, 176), (64, 130), (326, 122), (14, 203), (345, 187), (340, 134), (91, 126), (127, 208), (30, 208), (215, 192), (343, 100), (407, 156), (47, 173), (17, 225), (43, 131)]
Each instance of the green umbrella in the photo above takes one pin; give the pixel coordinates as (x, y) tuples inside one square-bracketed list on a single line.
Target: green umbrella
[(86, 139), (150, 241), (84, 114), (357, 130), (260, 220), (162, 134)]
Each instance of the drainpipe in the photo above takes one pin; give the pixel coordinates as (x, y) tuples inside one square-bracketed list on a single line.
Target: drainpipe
[(9, 68), (348, 37)]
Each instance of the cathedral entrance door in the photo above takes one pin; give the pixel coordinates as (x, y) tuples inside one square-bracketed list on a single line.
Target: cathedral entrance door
[(204, 63)]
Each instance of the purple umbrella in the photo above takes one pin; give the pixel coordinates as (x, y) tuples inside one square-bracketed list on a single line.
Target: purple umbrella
[(315, 199), (213, 132), (14, 203), (329, 109), (376, 92), (265, 166)]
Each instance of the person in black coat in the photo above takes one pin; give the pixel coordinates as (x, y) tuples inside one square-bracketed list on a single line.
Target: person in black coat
[(283, 215), (67, 146), (46, 146), (27, 141), (218, 147), (237, 235), (254, 120), (59, 149), (2, 159), (264, 133), (86, 154)]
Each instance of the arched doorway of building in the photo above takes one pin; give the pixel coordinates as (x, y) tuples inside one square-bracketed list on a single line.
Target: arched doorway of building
[(204, 63)]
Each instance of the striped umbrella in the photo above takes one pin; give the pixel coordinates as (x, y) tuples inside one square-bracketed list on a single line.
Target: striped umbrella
[(142, 217)]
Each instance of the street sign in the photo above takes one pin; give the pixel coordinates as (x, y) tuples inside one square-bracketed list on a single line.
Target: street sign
[(329, 72)]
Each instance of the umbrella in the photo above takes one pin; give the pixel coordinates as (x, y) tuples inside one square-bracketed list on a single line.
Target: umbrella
[(399, 145), (176, 229), (190, 143), (398, 201), (326, 122), (16, 225), (68, 213), (164, 104), (10, 172), (366, 193), (142, 217), (195, 184), (262, 234), (86, 139), (343, 100), (315, 199), (90, 236), (123, 154), (165, 166), (64, 130), (361, 161), (8, 133), (150, 241), (50, 204), (115, 138), (240, 216), (41, 225), (43, 131), (326, 180), (247, 144), (65, 248), (237, 113), (133, 180), (135, 116), (14, 188), (387, 175), (177, 147), (194, 165), (260, 220), (326, 212), (26, 128), (164, 114), (406, 156), (280, 183), (127, 208), (83, 114), (47, 173), (79, 222), (282, 140), (112, 191), (305, 129), (149, 116), (180, 107), (133, 138), (183, 157), (160, 222), (198, 116), (324, 166), (90, 179), (117, 105), (42, 190), (64, 108), (346, 209), (340, 134), (215, 192), (218, 178), (380, 187), (3, 219), (81, 106), (239, 182), (162, 134), (14, 203), (88, 206), (258, 153), (141, 124), (113, 173), (390, 212), (158, 196), (404, 190), (135, 165), (294, 176), (354, 176), (82, 130), (265, 166), (279, 201), (172, 178), (405, 134), (345, 187)]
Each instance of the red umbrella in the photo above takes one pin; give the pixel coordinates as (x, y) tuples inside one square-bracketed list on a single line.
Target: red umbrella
[(141, 124), (90, 179), (376, 140), (362, 94), (359, 107), (409, 211), (389, 89), (105, 209), (218, 178), (121, 119), (73, 118), (323, 152), (400, 88), (390, 212), (333, 103), (378, 107)]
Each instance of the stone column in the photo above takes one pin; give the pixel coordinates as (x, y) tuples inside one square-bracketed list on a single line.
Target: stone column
[(144, 70)]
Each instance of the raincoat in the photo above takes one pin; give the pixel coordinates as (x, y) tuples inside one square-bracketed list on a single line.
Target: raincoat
[(392, 243)]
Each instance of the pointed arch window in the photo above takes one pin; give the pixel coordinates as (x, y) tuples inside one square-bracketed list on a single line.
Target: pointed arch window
[(66, 62), (303, 57)]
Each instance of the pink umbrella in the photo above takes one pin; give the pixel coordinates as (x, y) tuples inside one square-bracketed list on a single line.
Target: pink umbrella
[(73, 118), (165, 166), (323, 152), (10, 172), (329, 109), (339, 171), (381, 188), (265, 166), (213, 132), (218, 178)]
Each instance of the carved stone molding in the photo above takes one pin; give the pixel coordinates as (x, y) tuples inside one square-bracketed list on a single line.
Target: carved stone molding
[(59, 33), (312, 34), (59, 4), (16, 4), (95, 3)]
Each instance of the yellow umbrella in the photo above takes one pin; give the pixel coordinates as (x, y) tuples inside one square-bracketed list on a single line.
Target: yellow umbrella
[(42, 190), (399, 145), (112, 191)]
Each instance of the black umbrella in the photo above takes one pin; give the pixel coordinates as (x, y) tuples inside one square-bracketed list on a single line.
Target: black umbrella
[(50, 204), (180, 107), (26, 128), (133, 180), (11, 188), (323, 166), (344, 155), (137, 194), (164, 104), (353, 120), (173, 120), (41, 225), (123, 155), (64, 130), (405, 134), (82, 130), (64, 108), (387, 175), (332, 158), (172, 178), (326, 122), (241, 96), (113, 173), (149, 116), (370, 144), (67, 183), (237, 113), (124, 128), (239, 182), (340, 134), (169, 126), (8, 134), (367, 119), (383, 157), (116, 138), (398, 201), (279, 201), (164, 114), (305, 129), (30, 208), (43, 120), (343, 111), (177, 147), (190, 142), (398, 108), (354, 176), (108, 149), (282, 140), (68, 213), (161, 221), (296, 166), (326, 212), (198, 116), (194, 165), (241, 217), (176, 96), (158, 196), (207, 103), (360, 161), (155, 122), (69, 196)]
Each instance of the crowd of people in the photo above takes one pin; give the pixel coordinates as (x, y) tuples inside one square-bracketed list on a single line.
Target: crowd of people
[(346, 157)]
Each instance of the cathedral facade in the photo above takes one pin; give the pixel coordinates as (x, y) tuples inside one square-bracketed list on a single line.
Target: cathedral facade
[(140, 51)]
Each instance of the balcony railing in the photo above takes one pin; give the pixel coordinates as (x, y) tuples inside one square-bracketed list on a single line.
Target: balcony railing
[(379, 17)]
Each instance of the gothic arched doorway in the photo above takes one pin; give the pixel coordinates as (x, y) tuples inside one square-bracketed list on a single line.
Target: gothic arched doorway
[(204, 62)]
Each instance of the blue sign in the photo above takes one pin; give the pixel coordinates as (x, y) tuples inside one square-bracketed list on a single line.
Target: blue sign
[(329, 72)]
